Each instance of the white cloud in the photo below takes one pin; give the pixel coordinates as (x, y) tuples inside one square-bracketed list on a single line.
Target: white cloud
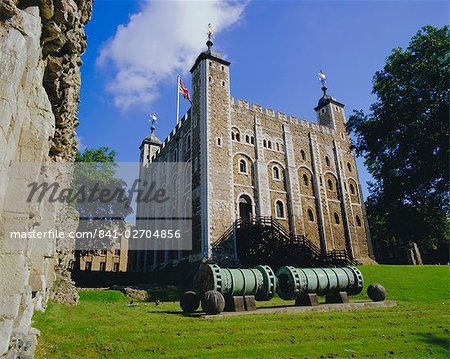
[(80, 144), (163, 39)]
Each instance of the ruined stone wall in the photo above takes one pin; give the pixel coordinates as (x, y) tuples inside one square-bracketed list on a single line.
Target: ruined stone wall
[(40, 47)]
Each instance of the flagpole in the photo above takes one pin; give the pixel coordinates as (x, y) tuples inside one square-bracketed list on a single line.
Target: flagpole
[(178, 98)]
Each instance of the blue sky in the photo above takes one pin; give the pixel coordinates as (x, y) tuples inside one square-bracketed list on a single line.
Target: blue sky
[(276, 49)]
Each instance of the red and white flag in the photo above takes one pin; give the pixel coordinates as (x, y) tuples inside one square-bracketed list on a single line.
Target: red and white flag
[(182, 89)]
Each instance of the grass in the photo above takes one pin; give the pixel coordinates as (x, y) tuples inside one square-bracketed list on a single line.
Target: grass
[(101, 326)]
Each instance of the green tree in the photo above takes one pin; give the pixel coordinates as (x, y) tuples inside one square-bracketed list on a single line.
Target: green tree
[(96, 168), (102, 154), (405, 142)]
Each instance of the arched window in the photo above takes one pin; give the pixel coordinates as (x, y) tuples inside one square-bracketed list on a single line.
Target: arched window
[(264, 143), (252, 140), (352, 188), (302, 153), (279, 209), (276, 173), (349, 166), (247, 138), (235, 134), (278, 146), (358, 221), (336, 218), (282, 148), (327, 161), (305, 180), (242, 166), (269, 144), (330, 185), (310, 215)]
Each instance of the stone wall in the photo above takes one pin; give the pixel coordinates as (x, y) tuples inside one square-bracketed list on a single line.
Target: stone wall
[(41, 42)]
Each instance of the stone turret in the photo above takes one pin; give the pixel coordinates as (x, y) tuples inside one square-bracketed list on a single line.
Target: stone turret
[(326, 108), (150, 145)]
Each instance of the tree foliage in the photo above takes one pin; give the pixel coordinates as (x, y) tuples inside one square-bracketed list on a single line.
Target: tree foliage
[(96, 172), (405, 142), (103, 154)]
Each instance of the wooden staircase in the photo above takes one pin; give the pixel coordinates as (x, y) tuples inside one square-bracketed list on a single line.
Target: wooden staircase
[(263, 240)]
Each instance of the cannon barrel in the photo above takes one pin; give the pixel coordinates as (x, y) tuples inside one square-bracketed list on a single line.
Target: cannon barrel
[(259, 281), (293, 282)]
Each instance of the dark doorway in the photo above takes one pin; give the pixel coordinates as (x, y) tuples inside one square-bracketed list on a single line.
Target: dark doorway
[(245, 207)]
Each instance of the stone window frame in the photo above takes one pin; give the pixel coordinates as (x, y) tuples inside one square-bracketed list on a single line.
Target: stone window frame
[(248, 136), (102, 267), (88, 265), (305, 179), (352, 189), (352, 181), (349, 167), (276, 169), (337, 219), (303, 154), (310, 213), (235, 134), (330, 185), (243, 161), (269, 143), (327, 161), (219, 141), (278, 145), (283, 209), (358, 221)]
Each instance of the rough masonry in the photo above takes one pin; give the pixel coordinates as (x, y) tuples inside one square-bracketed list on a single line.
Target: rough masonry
[(41, 42)]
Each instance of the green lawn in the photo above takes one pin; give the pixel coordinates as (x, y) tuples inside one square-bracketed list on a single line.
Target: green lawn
[(102, 326)]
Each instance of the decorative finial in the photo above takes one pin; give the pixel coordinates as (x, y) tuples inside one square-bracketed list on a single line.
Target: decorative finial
[(323, 80), (210, 33), (153, 119)]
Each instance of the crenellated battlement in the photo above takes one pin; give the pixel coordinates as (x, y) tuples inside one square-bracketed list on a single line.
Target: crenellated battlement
[(281, 116)]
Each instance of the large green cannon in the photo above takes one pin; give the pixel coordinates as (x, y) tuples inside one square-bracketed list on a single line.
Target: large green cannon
[(259, 281), (303, 283), (235, 289)]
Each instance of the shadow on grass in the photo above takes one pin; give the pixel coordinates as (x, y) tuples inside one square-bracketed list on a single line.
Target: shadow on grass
[(435, 340)]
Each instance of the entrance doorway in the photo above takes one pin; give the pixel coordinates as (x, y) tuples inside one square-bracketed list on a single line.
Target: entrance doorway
[(245, 207)]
